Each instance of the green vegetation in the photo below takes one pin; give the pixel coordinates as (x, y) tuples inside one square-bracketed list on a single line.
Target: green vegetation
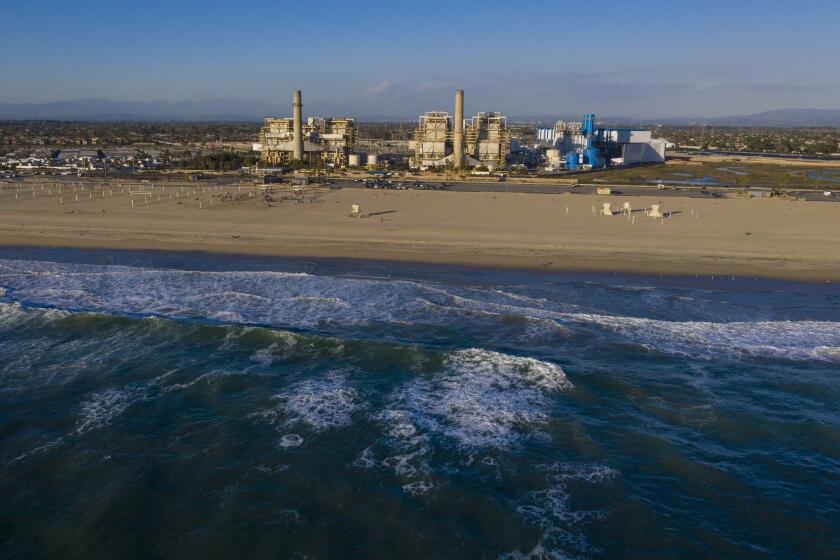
[(735, 174), (61, 133), (804, 141), (220, 161)]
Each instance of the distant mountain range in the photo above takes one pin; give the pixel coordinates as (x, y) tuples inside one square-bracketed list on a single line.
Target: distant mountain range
[(253, 110), (110, 110), (783, 118), (786, 118)]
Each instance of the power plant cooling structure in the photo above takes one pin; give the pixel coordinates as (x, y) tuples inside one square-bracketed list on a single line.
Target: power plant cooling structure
[(458, 131), (297, 127)]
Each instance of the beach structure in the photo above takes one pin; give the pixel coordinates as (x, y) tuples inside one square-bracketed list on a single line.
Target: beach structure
[(654, 212), (760, 192), (317, 141)]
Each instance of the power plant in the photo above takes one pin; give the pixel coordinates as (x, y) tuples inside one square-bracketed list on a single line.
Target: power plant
[(488, 140), (440, 140), (432, 139), (318, 142), (443, 140), (572, 146)]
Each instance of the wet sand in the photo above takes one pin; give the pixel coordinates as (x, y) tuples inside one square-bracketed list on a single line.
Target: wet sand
[(770, 238)]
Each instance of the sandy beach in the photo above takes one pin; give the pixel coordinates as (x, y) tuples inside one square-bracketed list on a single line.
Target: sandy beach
[(772, 238)]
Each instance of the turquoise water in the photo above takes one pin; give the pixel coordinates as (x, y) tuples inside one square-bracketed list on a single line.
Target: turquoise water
[(193, 406)]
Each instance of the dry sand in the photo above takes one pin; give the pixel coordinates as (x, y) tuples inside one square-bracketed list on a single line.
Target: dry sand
[(759, 237)]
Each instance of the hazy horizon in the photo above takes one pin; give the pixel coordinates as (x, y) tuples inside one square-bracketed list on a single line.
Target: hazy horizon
[(656, 60)]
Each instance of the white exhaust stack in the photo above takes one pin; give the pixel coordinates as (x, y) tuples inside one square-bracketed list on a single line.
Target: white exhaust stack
[(458, 133)]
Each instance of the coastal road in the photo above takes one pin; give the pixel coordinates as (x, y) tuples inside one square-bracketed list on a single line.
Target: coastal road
[(617, 190)]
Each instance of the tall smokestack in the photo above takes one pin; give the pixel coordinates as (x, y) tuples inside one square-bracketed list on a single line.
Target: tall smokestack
[(297, 126), (458, 133)]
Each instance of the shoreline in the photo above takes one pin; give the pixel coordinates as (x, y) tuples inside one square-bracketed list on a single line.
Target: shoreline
[(736, 268), (749, 238)]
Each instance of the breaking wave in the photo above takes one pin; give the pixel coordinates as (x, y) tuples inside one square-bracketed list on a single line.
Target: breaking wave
[(796, 340), (482, 398), (299, 300)]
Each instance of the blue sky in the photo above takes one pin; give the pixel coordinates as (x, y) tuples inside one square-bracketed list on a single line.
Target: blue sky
[(642, 58)]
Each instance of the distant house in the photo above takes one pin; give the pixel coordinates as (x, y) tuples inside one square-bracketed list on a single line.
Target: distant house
[(81, 159)]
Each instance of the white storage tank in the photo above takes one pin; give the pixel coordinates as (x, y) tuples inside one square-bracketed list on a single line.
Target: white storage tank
[(354, 160), (371, 159)]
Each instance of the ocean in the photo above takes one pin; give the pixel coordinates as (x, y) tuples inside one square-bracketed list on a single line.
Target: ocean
[(162, 405)]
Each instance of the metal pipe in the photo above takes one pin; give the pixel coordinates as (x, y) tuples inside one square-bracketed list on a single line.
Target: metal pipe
[(458, 133), (297, 126)]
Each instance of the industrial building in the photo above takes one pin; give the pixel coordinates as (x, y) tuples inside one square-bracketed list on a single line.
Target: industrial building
[(319, 141), (581, 145), (441, 140), (432, 139), (488, 139)]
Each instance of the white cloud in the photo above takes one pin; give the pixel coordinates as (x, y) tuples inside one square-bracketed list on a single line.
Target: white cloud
[(381, 88)]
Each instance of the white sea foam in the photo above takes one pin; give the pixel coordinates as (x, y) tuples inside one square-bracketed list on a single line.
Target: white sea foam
[(418, 487), (15, 314), (706, 340), (285, 343), (408, 448), (365, 460), (10, 313), (322, 403), (319, 404), (479, 399), (586, 472), (304, 300), (550, 510), (38, 449), (103, 406), (831, 353), (204, 377), (538, 552), (290, 440), (277, 298)]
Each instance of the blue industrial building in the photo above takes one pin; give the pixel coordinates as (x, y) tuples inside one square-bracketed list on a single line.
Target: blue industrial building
[(581, 145)]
